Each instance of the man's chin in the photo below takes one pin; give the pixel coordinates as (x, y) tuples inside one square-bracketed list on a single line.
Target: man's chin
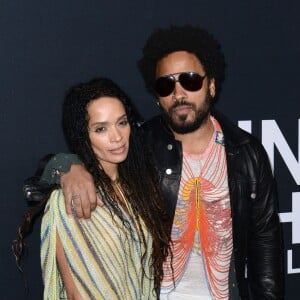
[(183, 120), (183, 123), (183, 127)]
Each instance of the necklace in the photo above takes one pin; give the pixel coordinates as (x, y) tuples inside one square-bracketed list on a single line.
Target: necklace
[(199, 175), (123, 201)]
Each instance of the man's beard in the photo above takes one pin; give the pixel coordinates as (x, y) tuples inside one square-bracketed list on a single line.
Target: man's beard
[(181, 125)]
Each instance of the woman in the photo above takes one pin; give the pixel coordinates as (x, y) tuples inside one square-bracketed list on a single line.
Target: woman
[(118, 253)]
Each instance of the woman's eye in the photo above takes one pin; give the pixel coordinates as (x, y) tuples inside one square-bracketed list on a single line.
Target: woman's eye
[(123, 123), (99, 129)]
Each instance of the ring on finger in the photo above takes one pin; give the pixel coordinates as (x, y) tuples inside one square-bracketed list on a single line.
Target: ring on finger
[(74, 198)]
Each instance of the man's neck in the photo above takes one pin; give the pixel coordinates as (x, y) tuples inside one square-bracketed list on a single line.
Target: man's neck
[(196, 142)]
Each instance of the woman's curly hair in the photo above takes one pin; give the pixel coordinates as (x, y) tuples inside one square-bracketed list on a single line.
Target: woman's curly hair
[(198, 41), (136, 174)]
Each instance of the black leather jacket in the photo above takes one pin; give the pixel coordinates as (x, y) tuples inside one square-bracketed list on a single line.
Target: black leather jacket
[(257, 247)]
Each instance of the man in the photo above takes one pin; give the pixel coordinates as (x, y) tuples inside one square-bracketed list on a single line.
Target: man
[(215, 178)]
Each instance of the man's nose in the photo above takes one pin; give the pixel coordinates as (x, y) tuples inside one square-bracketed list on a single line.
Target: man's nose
[(179, 92)]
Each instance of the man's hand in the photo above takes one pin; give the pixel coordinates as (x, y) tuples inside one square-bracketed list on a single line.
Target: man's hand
[(79, 191)]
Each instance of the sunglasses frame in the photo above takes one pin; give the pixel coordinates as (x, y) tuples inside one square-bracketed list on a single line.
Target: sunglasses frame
[(173, 81)]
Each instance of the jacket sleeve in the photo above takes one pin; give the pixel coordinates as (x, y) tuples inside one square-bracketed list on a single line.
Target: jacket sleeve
[(61, 162), (264, 251)]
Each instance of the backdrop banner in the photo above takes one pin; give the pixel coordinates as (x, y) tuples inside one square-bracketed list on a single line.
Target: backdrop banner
[(47, 46)]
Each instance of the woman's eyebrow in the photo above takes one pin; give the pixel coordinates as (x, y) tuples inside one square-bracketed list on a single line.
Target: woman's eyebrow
[(106, 122)]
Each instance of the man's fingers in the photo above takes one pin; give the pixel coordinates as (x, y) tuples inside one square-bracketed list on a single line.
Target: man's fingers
[(85, 204), (68, 203), (68, 200), (92, 196), (99, 200), (79, 191), (77, 205)]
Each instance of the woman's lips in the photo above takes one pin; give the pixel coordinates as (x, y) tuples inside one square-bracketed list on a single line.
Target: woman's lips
[(118, 150)]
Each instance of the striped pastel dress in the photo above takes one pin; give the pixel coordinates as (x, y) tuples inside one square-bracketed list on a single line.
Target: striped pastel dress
[(104, 259)]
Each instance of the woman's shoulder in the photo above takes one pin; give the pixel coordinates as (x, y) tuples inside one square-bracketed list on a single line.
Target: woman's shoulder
[(56, 201), (56, 195)]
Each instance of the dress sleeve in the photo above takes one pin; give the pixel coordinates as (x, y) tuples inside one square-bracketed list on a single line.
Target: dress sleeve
[(53, 285)]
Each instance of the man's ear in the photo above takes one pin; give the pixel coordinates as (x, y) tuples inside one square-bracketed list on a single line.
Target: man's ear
[(212, 87)]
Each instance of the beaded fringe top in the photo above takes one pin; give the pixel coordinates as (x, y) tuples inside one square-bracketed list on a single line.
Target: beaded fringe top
[(203, 218)]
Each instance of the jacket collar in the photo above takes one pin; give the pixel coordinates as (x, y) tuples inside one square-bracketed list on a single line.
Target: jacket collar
[(234, 136)]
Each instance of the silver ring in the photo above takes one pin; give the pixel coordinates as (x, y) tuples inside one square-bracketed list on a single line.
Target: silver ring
[(74, 198)]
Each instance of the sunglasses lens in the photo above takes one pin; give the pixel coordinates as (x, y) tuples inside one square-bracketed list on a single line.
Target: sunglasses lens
[(191, 81), (164, 86)]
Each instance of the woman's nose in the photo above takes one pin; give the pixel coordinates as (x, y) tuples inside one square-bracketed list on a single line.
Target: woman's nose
[(115, 135)]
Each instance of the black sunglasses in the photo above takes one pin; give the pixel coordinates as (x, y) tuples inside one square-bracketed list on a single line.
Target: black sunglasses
[(190, 81)]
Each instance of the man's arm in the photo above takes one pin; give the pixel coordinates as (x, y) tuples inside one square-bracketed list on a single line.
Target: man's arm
[(265, 256), (77, 184)]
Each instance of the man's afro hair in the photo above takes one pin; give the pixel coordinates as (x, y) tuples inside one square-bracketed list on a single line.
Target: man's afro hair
[(198, 41)]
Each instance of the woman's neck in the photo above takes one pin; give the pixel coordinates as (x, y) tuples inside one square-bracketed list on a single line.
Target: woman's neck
[(111, 170)]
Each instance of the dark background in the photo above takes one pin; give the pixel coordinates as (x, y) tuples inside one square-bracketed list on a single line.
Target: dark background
[(47, 46)]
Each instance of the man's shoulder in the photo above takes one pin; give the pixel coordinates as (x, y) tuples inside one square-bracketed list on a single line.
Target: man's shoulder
[(154, 127), (237, 138), (232, 133), (156, 132), (152, 123)]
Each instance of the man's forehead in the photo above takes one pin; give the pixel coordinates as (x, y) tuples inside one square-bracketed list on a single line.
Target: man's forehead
[(179, 61)]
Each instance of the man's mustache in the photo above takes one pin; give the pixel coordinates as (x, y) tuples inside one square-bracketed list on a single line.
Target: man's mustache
[(182, 103)]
